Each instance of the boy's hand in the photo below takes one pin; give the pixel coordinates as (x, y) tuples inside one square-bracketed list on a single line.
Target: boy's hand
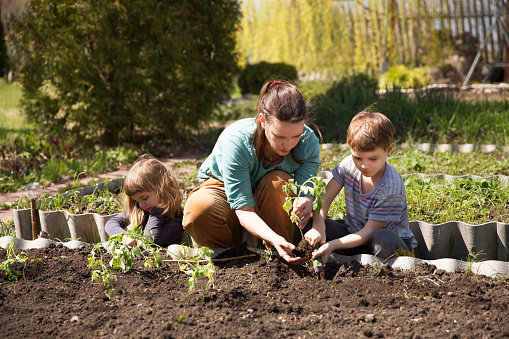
[(302, 207), (317, 233), (324, 251), (314, 237)]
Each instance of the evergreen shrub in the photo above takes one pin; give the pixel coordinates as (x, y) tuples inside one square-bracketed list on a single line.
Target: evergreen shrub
[(125, 69), (253, 76)]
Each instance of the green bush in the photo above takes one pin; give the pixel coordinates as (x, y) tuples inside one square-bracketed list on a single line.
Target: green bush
[(252, 77), (401, 77), (125, 69)]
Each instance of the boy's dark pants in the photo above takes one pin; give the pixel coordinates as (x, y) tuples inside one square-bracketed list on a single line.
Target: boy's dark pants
[(383, 243)]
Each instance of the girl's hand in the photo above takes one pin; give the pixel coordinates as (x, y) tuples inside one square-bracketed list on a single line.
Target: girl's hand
[(285, 249), (302, 207), (324, 251), (130, 242)]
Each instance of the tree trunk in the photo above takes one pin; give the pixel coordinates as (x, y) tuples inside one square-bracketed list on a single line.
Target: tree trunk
[(505, 11)]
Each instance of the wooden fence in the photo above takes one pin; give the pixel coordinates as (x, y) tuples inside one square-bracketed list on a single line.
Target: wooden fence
[(344, 35)]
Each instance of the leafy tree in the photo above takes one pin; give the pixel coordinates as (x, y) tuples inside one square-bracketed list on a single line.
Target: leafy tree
[(3, 49), (125, 68)]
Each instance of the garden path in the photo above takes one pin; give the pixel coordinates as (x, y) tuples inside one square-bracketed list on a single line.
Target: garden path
[(186, 164)]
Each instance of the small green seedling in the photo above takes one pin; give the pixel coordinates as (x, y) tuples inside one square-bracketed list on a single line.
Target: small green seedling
[(100, 271), (179, 319), (193, 267), (12, 275), (123, 256), (109, 293), (315, 186)]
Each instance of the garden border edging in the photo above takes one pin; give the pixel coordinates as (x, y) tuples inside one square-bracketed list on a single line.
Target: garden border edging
[(491, 268), (62, 224), (429, 147)]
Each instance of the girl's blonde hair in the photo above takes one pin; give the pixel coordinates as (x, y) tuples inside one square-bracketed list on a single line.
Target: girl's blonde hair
[(150, 175)]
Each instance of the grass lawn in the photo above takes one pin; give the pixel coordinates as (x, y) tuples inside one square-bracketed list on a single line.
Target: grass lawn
[(10, 116)]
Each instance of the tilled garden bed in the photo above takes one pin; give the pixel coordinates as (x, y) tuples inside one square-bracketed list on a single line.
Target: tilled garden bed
[(250, 298)]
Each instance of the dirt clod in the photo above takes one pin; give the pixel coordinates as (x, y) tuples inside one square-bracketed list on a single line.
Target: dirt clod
[(304, 249)]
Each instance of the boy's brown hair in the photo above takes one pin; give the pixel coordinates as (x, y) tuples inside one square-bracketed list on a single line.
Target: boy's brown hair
[(369, 130)]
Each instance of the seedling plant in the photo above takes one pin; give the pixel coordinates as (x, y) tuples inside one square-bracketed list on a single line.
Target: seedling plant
[(193, 267), (12, 275), (124, 258), (315, 186), (102, 202)]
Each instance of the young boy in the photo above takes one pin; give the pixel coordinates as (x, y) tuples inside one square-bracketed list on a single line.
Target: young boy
[(376, 207)]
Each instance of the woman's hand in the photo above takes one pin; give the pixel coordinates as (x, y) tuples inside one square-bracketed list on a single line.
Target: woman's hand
[(284, 248), (130, 242), (303, 206)]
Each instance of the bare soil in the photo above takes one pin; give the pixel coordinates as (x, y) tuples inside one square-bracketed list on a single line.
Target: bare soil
[(250, 298)]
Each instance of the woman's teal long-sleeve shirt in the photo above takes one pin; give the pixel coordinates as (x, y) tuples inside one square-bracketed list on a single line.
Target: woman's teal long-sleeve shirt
[(234, 161)]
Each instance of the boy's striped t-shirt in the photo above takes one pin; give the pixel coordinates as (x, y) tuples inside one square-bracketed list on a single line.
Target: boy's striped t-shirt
[(386, 202)]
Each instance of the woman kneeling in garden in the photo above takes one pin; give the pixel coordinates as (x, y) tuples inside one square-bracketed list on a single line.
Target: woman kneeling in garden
[(242, 179)]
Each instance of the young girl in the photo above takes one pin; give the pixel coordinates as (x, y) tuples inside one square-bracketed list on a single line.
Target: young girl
[(153, 201)]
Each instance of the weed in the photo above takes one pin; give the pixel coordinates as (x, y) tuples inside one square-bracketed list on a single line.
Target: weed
[(470, 200), (263, 254), (7, 228), (471, 259), (12, 275)]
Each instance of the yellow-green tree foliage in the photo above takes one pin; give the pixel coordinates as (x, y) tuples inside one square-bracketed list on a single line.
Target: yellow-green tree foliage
[(335, 37)]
